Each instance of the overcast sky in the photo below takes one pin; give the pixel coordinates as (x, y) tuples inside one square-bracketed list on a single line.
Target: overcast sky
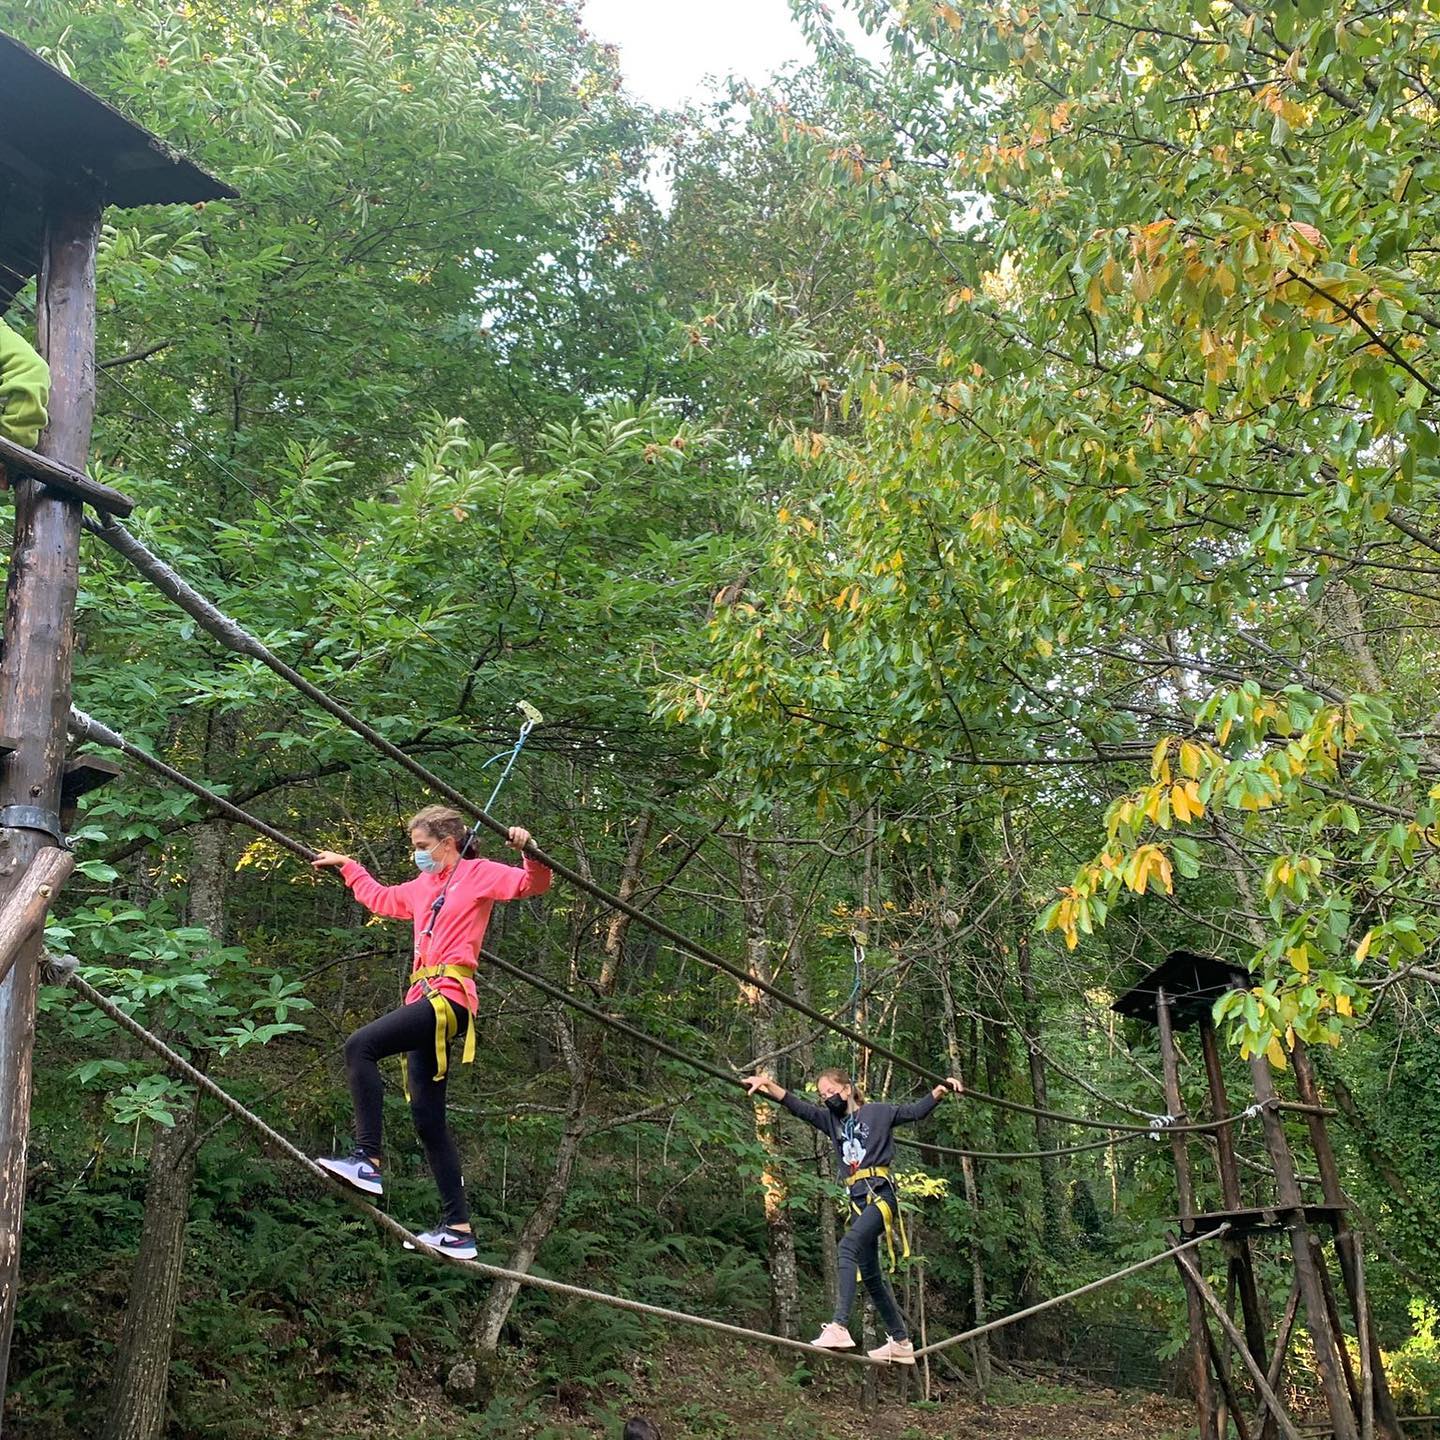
[(668, 47)]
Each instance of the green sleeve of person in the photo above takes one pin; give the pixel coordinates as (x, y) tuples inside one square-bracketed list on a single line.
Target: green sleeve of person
[(24, 389)]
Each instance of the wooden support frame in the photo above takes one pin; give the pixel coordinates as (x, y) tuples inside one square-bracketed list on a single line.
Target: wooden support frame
[(1207, 1418), (71, 482), (1200, 1287), (25, 908), (35, 670), (1377, 1405), (1307, 1272)]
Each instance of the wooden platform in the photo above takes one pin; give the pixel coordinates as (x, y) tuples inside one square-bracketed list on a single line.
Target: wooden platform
[(1192, 983), (1260, 1220)]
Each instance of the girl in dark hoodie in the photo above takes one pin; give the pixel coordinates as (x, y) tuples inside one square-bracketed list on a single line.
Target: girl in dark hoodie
[(863, 1135)]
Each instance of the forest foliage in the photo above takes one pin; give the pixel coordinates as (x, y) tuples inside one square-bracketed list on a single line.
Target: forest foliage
[(971, 526)]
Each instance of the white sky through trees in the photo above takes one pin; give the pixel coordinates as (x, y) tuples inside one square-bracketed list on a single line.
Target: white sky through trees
[(668, 48)]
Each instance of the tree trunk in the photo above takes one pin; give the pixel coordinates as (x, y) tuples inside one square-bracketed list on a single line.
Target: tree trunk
[(139, 1387), (784, 1271), (979, 1348), (136, 1409), (542, 1218), (821, 1149), (581, 1057), (1050, 1200)]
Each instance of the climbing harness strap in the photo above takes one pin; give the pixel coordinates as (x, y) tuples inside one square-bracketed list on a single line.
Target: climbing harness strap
[(892, 1215), (446, 1024)]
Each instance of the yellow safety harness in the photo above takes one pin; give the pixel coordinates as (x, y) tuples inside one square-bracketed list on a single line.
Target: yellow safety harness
[(446, 1024), (893, 1216)]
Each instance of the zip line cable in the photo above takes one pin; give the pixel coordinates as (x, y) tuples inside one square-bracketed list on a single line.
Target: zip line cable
[(90, 729)]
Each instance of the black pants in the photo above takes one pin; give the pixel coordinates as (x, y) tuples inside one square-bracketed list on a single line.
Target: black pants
[(408, 1031), (860, 1253)]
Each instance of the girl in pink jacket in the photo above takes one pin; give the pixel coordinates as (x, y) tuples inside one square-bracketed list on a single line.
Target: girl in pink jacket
[(449, 905)]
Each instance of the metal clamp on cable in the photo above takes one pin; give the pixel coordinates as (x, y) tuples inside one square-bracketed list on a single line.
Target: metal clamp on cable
[(33, 817)]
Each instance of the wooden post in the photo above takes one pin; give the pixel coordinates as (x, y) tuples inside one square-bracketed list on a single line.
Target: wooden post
[(23, 912), (1185, 1192), (35, 676), (1199, 1287), (1312, 1292), (1375, 1388), (1242, 1267)]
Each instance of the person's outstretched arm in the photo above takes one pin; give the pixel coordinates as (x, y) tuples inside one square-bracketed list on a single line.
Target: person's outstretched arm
[(517, 882), (24, 389), (392, 901), (816, 1115), (913, 1110)]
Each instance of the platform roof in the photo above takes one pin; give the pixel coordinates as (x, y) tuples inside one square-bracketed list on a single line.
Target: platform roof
[(1192, 982), (56, 135)]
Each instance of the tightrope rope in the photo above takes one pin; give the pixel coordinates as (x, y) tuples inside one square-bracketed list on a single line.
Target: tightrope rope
[(991, 1325), (65, 973)]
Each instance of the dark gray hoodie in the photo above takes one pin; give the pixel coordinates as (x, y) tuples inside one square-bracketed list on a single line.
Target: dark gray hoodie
[(865, 1138)]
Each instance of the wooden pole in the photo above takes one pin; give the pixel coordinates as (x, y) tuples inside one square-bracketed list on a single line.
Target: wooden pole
[(64, 478), (1312, 1292), (1208, 1421), (1242, 1267), (23, 912), (1375, 1388), (35, 676), (1200, 1287)]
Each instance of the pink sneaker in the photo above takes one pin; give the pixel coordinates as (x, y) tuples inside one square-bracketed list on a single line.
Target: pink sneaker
[(834, 1337), (895, 1352)]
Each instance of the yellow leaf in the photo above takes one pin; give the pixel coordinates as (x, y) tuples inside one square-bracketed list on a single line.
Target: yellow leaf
[(1153, 797), (1299, 957), (782, 515), (1190, 757), (1363, 949), (1043, 647), (1159, 766), (1275, 1053), (1094, 296), (1342, 1004)]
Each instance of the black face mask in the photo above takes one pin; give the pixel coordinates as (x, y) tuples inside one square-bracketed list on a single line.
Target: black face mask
[(837, 1105)]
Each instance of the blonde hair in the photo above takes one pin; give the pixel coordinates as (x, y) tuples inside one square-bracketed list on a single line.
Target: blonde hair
[(839, 1077), (443, 823)]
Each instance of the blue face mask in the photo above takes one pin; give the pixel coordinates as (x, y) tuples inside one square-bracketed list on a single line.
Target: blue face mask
[(425, 861)]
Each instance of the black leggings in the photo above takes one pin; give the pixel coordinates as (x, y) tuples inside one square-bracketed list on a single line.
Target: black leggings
[(408, 1031), (860, 1253)]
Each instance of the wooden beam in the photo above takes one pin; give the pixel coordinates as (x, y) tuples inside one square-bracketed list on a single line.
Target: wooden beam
[(83, 773), (35, 670), (65, 478), (1205, 1411), (24, 910), (1200, 1287)]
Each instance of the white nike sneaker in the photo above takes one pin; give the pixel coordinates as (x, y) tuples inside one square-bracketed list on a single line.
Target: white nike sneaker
[(448, 1241), (833, 1337), (355, 1169)]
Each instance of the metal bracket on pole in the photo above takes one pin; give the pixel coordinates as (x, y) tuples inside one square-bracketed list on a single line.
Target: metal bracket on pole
[(33, 817)]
